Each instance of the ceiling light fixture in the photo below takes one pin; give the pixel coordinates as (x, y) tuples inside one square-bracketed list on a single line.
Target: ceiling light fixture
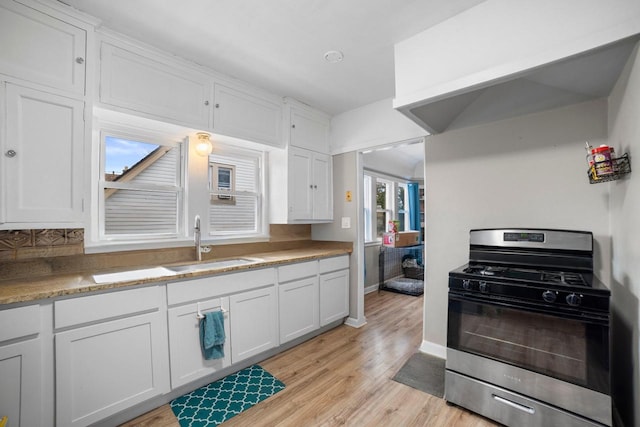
[(333, 56), (204, 147)]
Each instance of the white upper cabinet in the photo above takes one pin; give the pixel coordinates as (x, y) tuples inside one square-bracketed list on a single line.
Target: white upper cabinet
[(304, 180), (42, 49), (42, 158), (306, 127), (247, 115), (148, 84)]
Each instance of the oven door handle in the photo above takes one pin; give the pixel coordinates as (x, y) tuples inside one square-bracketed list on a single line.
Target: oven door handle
[(513, 404)]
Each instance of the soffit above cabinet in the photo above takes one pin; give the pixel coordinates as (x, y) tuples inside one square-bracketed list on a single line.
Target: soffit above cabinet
[(586, 76)]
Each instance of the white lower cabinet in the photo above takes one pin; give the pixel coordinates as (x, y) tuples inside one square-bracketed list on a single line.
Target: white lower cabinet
[(254, 322), (20, 367), (298, 300), (116, 361), (334, 289), (185, 354)]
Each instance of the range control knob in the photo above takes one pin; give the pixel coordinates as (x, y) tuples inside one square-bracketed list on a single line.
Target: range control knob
[(574, 300), (484, 287), (466, 284), (549, 296)]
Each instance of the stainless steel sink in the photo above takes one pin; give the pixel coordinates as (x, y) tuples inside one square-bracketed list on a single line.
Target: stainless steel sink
[(213, 265)]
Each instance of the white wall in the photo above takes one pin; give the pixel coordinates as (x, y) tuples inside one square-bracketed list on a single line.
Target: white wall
[(345, 178), (528, 171), (500, 37), (370, 126), (624, 135)]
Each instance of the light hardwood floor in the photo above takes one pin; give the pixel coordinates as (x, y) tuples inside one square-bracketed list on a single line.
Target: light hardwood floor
[(344, 377)]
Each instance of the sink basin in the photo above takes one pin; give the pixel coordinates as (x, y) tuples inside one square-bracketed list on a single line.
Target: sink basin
[(213, 265), (125, 276)]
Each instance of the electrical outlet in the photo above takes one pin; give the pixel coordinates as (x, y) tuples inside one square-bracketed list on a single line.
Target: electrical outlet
[(346, 222)]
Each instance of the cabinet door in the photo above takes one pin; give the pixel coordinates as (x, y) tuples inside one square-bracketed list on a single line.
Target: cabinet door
[(300, 184), (254, 323), (309, 131), (243, 115), (20, 383), (334, 296), (148, 85), (298, 304), (322, 187), (105, 368), (43, 177), (187, 363), (41, 49)]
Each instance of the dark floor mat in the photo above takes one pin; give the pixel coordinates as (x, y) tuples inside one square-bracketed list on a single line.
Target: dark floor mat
[(405, 285), (423, 372)]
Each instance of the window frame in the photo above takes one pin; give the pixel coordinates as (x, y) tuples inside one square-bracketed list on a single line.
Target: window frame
[(391, 210), (144, 136), (260, 157)]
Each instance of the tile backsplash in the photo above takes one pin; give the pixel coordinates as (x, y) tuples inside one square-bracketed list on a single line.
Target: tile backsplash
[(21, 244)]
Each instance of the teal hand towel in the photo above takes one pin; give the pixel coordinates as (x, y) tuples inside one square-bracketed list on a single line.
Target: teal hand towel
[(212, 335)]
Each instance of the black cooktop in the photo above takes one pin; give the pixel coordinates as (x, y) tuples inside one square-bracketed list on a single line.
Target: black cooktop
[(533, 275)]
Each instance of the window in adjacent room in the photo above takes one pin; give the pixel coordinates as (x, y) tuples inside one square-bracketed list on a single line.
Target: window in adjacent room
[(141, 187), (236, 193), (385, 199)]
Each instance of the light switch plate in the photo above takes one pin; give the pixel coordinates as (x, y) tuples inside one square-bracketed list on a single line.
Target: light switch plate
[(346, 222)]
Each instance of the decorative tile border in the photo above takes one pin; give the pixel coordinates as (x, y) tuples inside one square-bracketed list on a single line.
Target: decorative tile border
[(15, 244)]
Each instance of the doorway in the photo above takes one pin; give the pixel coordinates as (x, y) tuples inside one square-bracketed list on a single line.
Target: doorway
[(384, 173)]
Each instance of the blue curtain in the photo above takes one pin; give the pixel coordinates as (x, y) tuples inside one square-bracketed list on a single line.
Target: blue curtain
[(414, 206)]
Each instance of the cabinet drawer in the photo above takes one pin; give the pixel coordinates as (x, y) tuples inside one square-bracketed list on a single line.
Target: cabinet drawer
[(333, 264), (19, 322), (213, 286), (287, 273), (76, 311)]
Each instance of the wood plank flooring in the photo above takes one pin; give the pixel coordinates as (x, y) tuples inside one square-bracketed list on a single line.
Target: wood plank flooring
[(344, 377)]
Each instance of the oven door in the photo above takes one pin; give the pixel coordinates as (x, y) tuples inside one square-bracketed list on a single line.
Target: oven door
[(564, 346)]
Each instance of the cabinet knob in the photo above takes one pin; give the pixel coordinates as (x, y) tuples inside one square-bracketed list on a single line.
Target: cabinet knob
[(293, 126), (315, 186), (217, 105), (310, 185), (10, 153), (206, 102), (80, 60)]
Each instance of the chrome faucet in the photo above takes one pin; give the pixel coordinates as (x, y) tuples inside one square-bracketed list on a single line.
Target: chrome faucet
[(197, 240)]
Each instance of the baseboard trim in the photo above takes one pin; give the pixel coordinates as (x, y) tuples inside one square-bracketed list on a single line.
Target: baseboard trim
[(433, 349), (356, 323)]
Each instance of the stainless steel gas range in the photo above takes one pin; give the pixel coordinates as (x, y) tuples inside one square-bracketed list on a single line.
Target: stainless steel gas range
[(528, 330)]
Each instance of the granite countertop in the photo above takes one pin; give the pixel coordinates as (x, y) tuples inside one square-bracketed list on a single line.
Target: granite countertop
[(39, 288)]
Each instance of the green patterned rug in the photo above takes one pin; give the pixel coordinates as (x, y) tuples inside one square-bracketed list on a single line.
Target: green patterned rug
[(215, 403)]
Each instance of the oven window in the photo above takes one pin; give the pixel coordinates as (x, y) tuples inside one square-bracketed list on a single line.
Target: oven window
[(563, 348)]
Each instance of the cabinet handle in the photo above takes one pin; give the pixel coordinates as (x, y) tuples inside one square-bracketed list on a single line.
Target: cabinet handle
[(217, 105), (206, 102), (293, 126), (10, 153), (315, 186), (80, 60)]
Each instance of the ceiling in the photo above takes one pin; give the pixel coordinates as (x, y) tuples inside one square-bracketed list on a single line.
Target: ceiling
[(279, 45)]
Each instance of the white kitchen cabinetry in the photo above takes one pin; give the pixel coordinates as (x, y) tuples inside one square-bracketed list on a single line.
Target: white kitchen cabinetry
[(298, 300), (254, 322), (308, 183), (142, 82), (20, 366), (42, 159), (334, 289), (110, 353), (185, 353), (306, 127), (244, 114), (41, 48)]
